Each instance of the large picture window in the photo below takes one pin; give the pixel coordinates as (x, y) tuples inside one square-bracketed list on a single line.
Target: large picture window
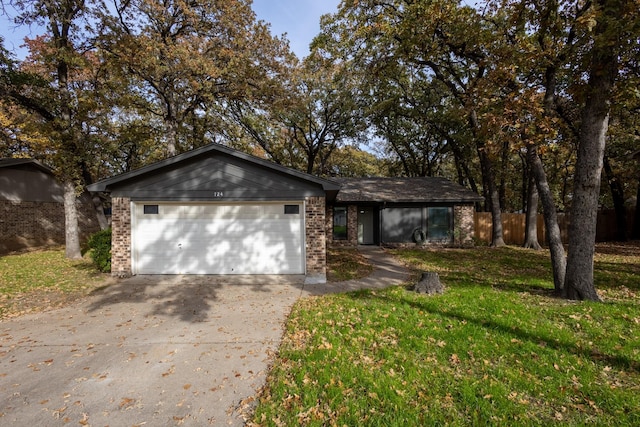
[(339, 223), (439, 224)]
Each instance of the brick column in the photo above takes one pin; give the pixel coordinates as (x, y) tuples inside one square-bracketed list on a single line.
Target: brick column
[(121, 237), (315, 233), (352, 225)]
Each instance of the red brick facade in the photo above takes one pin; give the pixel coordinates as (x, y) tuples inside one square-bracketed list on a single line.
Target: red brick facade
[(121, 240), (316, 250), (33, 224)]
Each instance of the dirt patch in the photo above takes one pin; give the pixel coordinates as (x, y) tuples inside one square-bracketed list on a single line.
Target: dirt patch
[(631, 248), (346, 264), (41, 300)]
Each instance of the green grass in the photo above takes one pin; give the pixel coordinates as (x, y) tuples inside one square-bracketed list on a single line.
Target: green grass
[(36, 280), (494, 349)]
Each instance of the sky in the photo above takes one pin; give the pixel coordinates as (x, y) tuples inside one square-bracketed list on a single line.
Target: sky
[(300, 19)]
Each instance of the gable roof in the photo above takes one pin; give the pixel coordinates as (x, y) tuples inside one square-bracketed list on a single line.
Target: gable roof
[(6, 162), (404, 190), (173, 162)]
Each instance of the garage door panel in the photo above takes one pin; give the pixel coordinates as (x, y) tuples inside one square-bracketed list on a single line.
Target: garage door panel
[(220, 239), (158, 239)]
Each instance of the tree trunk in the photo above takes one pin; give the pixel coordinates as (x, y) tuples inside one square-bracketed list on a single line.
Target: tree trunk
[(617, 193), (504, 166), (558, 258), (491, 191), (96, 200), (528, 182), (531, 229), (173, 141), (69, 149), (99, 209), (72, 231), (462, 166), (494, 200), (603, 70), (636, 220)]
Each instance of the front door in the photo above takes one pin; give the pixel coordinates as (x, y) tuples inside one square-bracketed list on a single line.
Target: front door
[(365, 226)]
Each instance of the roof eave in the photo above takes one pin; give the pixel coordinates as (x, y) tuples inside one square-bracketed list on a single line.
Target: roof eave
[(19, 162), (447, 201)]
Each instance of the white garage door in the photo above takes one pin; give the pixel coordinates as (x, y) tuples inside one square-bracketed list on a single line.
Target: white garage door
[(265, 238)]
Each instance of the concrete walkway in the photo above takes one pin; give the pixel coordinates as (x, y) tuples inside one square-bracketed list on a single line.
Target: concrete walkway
[(388, 272), (156, 350)]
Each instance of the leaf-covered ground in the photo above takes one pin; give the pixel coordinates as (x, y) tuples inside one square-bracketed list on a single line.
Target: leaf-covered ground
[(346, 264), (44, 279), (495, 349)]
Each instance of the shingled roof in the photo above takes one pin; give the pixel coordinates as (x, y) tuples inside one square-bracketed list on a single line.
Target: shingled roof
[(8, 162), (404, 190)]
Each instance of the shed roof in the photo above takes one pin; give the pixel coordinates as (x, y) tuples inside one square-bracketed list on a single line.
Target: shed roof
[(6, 162), (404, 190)]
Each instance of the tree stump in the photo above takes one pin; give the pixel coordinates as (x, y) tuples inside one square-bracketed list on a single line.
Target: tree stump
[(429, 284)]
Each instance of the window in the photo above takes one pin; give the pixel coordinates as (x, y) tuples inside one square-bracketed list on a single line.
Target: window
[(339, 223), (291, 209), (151, 209), (439, 223)]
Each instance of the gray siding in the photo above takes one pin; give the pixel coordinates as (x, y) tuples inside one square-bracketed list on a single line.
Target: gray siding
[(216, 177), (29, 184), (397, 224)]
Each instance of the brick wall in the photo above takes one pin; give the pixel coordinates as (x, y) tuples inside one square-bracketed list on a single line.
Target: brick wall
[(26, 225), (316, 250), (463, 225), (352, 228), (121, 237)]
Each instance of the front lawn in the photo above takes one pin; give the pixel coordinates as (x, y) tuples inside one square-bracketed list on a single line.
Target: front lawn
[(495, 349), (43, 279)]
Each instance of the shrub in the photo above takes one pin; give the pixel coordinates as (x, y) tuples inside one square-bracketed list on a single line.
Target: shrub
[(100, 249)]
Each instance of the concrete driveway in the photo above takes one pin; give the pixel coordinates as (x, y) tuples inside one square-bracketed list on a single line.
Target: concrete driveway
[(156, 350), (150, 350)]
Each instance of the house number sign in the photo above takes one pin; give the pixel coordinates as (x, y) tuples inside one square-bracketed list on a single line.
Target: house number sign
[(218, 194)]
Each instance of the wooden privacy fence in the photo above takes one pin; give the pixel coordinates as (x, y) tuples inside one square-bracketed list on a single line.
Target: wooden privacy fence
[(513, 227)]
